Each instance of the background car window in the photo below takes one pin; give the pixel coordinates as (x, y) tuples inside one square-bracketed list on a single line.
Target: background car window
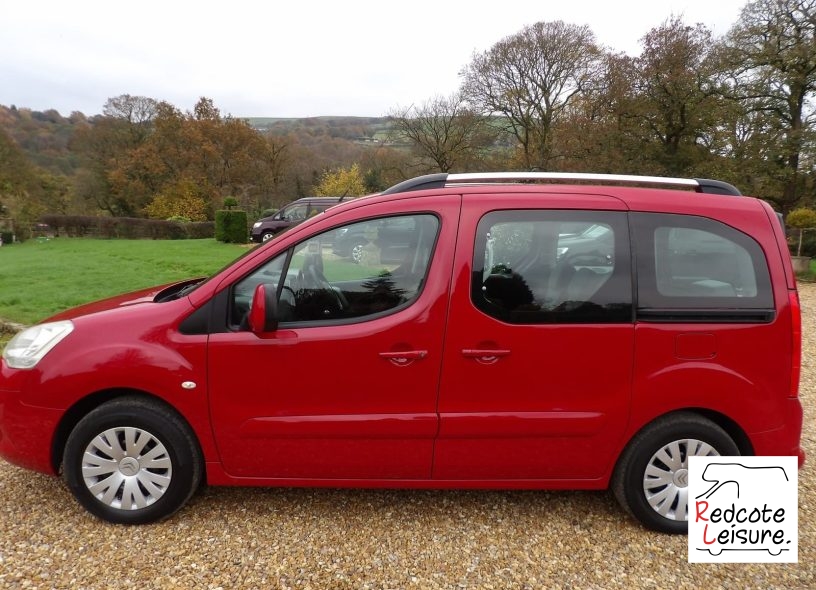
[(294, 213), (386, 240), (553, 267), (316, 284), (691, 262)]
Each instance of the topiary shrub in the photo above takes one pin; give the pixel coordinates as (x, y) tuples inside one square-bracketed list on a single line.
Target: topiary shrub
[(7, 237), (231, 226)]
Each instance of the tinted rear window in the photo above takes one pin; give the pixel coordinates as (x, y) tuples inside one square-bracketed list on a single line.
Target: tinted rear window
[(694, 263)]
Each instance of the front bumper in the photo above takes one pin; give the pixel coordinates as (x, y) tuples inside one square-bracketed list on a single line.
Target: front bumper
[(26, 432)]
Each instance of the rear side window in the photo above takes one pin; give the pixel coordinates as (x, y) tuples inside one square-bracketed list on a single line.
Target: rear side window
[(538, 267), (697, 268)]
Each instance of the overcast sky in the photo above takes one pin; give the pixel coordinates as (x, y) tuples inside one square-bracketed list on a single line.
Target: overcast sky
[(298, 58)]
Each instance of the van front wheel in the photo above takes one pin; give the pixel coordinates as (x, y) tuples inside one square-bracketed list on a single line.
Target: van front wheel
[(651, 478), (132, 461)]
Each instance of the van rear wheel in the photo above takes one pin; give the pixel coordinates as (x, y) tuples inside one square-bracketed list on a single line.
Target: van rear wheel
[(651, 478), (132, 461)]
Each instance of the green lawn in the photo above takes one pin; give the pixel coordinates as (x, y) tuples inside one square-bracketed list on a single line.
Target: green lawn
[(38, 279)]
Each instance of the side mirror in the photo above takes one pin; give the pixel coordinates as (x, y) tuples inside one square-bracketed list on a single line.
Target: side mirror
[(263, 314)]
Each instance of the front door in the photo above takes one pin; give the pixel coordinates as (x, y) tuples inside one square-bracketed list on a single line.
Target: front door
[(538, 357), (346, 387)]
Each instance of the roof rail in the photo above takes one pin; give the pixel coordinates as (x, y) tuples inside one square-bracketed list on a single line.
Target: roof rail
[(429, 181)]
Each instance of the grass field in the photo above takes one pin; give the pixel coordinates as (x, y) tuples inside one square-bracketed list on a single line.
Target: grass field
[(38, 279)]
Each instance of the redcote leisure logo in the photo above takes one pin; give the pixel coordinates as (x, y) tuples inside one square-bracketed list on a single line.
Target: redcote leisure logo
[(743, 510)]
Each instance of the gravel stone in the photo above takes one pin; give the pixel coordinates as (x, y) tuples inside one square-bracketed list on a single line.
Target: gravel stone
[(380, 539)]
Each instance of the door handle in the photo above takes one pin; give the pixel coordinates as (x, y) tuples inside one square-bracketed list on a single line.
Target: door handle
[(485, 356), (404, 357)]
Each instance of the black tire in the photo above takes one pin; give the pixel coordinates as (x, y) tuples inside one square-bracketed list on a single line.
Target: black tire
[(267, 235), (144, 453), (679, 434)]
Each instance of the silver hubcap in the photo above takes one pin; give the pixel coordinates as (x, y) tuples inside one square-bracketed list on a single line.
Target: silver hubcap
[(357, 253), (665, 481), (126, 468)]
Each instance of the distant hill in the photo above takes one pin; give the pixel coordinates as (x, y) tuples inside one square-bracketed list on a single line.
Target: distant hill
[(359, 129)]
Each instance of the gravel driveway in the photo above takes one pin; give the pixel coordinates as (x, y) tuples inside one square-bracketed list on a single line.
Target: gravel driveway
[(270, 538)]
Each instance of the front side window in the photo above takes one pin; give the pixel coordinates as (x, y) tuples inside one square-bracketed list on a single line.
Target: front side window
[(318, 281), (553, 267), (696, 264)]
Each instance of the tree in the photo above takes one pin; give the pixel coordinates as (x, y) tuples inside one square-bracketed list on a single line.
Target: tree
[(180, 199), (108, 146), (25, 190), (771, 58), (137, 112), (341, 182), (443, 131), (596, 133), (530, 79), (384, 166), (675, 94), (801, 219)]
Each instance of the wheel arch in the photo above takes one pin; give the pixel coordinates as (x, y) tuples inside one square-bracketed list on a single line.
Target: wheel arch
[(734, 430), (731, 428), (87, 404)]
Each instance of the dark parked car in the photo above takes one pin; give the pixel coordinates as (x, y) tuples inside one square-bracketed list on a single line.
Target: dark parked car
[(594, 246), (292, 214), (392, 237)]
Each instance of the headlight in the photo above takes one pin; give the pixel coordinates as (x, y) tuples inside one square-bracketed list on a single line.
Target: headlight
[(257, 224), (28, 347), (559, 252)]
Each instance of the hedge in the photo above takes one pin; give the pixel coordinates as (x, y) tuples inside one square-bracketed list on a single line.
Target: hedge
[(127, 227)]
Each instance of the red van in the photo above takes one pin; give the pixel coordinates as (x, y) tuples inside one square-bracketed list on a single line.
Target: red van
[(504, 349)]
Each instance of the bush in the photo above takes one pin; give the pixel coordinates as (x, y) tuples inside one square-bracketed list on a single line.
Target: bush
[(7, 237), (231, 227), (198, 230)]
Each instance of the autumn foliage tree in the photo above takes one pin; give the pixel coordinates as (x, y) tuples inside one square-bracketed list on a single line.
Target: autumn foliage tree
[(159, 160), (341, 182), (674, 96)]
